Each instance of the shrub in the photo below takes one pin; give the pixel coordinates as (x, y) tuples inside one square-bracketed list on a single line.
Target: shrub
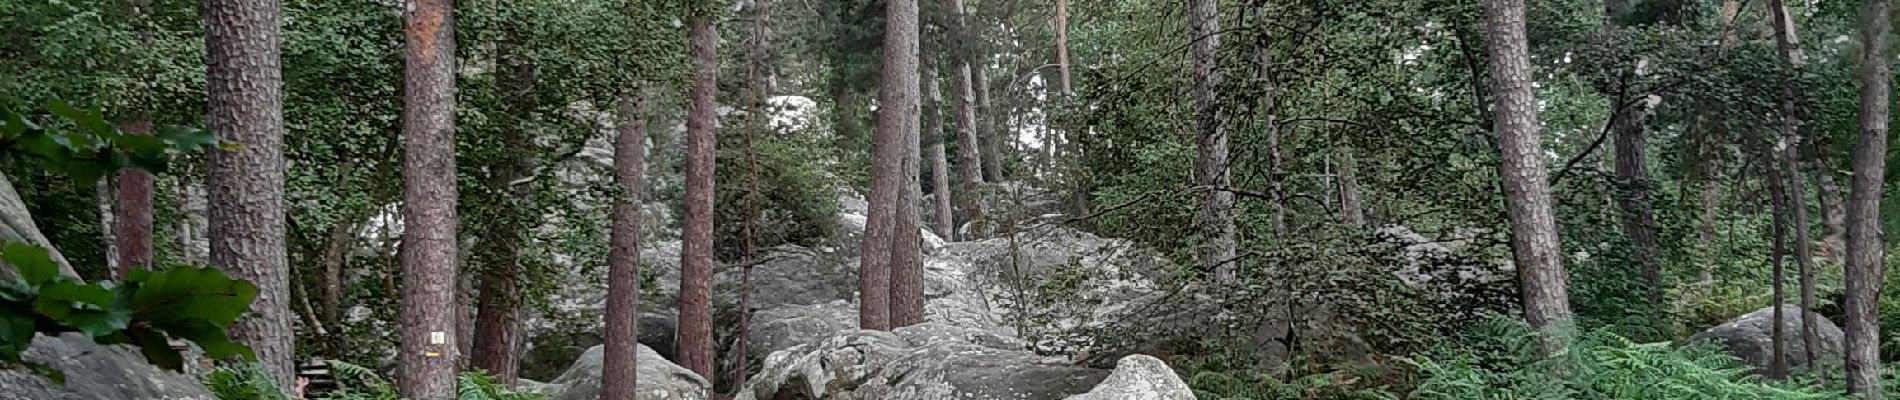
[(1503, 364)]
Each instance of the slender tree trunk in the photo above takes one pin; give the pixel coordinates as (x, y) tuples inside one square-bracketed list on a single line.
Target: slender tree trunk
[(969, 158), (336, 245), (896, 131), (132, 216), (989, 132), (695, 303), (244, 86), (907, 265), (1833, 216), (497, 335), (1788, 148), (623, 256), (430, 311), (1632, 170), (1778, 340), (1534, 243), (133, 220), (1865, 272), (762, 83), (1269, 113), (941, 219), (1215, 217), (1349, 203)]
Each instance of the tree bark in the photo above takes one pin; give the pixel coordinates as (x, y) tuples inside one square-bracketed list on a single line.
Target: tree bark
[(969, 158), (430, 313), (244, 89), (896, 124), (695, 302), (1833, 217), (1349, 203), (133, 218), (1534, 243), (1215, 217), (1865, 271), (907, 265), (1788, 149), (986, 124), (132, 213), (941, 219), (497, 338), (623, 256), (1778, 340)]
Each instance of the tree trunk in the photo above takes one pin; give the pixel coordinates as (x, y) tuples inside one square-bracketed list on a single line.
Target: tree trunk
[(1534, 243), (132, 243), (1632, 170), (337, 244), (1791, 126), (497, 338), (1778, 340), (623, 256), (1269, 113), (762, 83), (969, 158), (1215, 217), (907, 265), (896, 126), (430, 312), (244, 88), (1349, 203), (1865, 272), (986, 123), (132, 216), (695, 303), (1833, 217), (941, 219)]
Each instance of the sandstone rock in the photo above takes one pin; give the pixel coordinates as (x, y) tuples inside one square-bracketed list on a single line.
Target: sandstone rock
[(96, 372), (927, 361), (1750, 338), (1139, 377), (658, 378)]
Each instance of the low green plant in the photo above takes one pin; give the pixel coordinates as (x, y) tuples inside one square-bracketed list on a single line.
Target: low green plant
[(354, 382), (146, 309), (1504, 364)]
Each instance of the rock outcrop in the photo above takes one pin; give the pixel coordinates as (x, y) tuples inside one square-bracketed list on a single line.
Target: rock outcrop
[(922, 362), (1750, 338), (659, 379), (1139, 377), (96, 372)]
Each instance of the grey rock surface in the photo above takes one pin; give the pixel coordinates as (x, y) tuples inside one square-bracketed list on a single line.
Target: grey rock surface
[(1750, 338), (96, 372)]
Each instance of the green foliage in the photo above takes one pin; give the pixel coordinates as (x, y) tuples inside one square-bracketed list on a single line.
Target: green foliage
[(249, 382), (1503, 363), (146, 309), (91, 147), (1223, 376)]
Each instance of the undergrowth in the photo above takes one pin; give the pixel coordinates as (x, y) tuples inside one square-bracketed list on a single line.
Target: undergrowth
[(354, 382)]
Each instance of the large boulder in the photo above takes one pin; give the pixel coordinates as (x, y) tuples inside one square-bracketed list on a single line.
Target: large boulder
[(928, 361), (1139, 377), (659, 379), (1750, 338), (96, 372)]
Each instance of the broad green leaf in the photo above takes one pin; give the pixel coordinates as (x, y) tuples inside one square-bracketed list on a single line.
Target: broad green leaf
[(34, 264), (156, 348), (190, 293)]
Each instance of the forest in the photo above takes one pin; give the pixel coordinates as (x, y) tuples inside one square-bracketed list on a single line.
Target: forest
[(946, 199)]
